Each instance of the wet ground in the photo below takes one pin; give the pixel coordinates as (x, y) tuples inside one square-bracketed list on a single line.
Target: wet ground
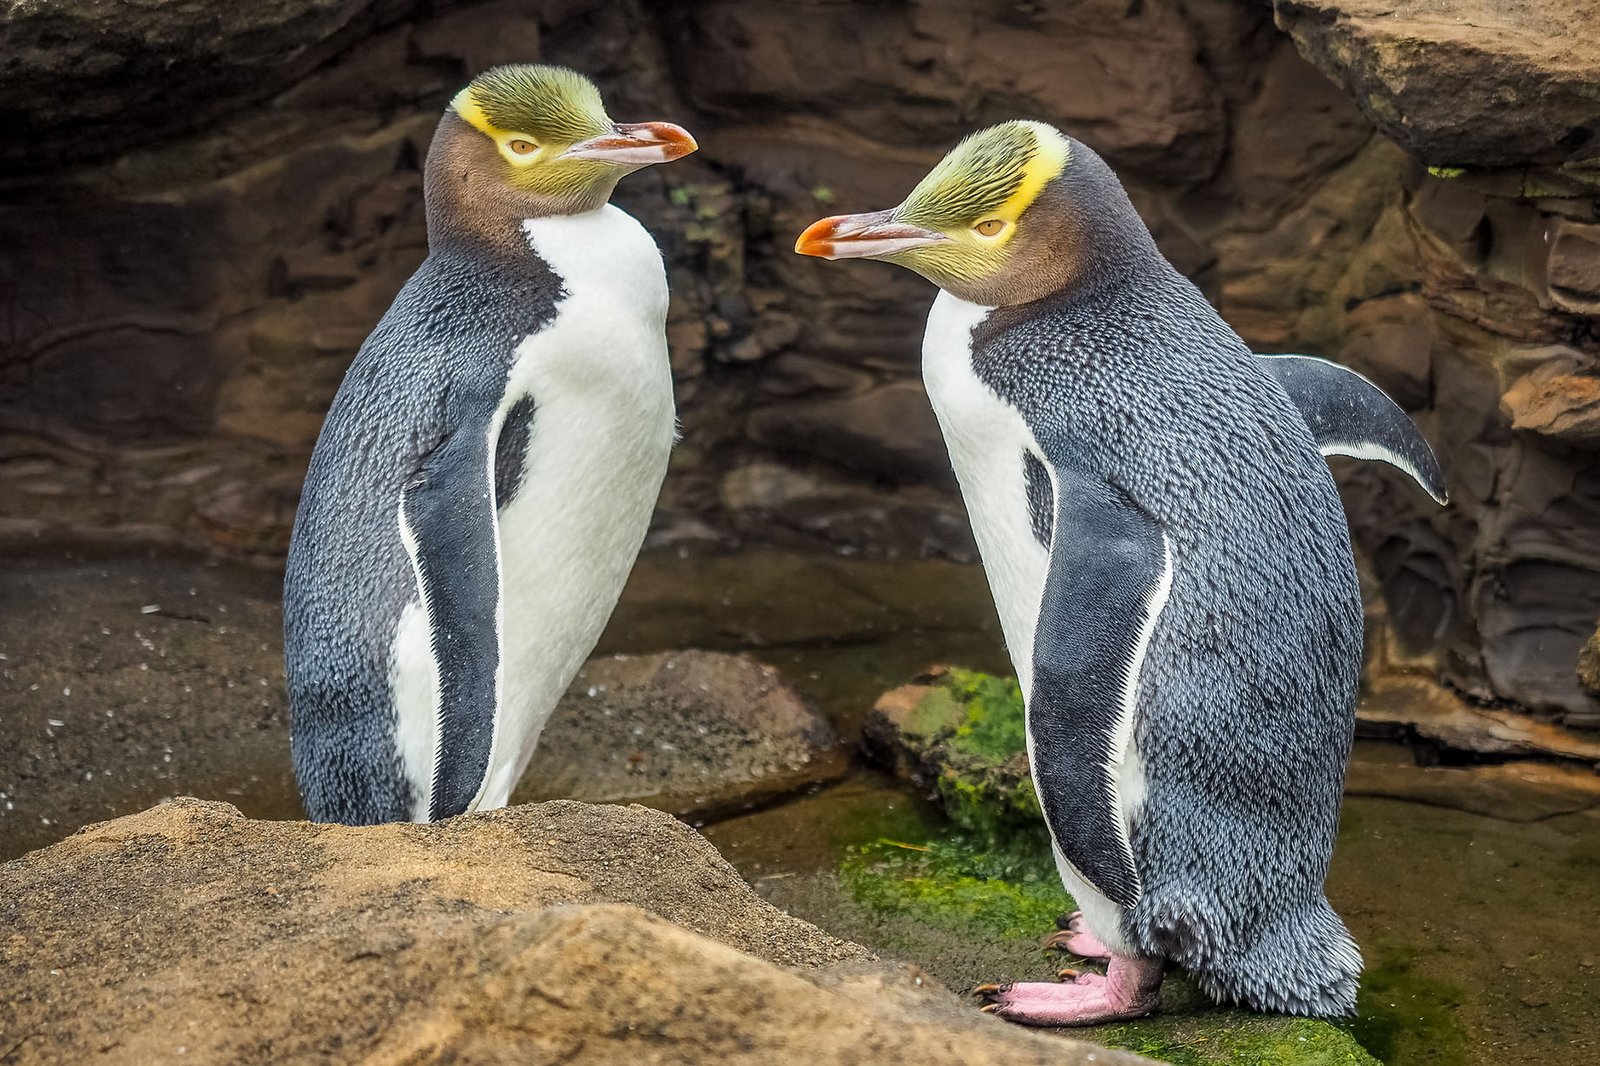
[(1474, 892)]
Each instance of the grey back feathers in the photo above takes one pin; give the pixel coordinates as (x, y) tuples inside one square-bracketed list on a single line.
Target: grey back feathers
[(1347, 415), (412, 411)]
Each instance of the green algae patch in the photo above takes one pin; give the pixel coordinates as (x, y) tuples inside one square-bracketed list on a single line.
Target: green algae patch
[(1236, 1037), (959, 884), (992, 724)]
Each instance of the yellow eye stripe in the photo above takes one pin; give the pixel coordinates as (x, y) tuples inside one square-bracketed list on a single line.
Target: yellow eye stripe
[(467, 106), (471, 112), (1047, 161)]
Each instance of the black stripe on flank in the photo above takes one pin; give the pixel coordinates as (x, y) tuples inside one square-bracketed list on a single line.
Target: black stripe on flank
[(450, 511), (1041, 498), (1106, 564), (511, 451)]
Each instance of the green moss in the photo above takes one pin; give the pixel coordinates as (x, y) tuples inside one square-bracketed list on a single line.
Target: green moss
[(971, 726), (994, 726), (1235, 1037), (1447, 172), (936, 714), (995, 806), (960, 884)]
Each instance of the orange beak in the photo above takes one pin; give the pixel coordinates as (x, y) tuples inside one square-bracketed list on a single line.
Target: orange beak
[(636, 144), (868, 236)]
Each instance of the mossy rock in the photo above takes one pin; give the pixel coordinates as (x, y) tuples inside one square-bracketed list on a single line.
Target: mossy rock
[(961, 734), (988, 877)]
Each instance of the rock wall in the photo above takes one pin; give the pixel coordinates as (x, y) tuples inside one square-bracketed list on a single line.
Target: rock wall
[(210, 209)]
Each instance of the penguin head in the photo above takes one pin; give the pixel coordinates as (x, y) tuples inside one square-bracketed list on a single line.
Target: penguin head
[(532, 140), (1012, 214)]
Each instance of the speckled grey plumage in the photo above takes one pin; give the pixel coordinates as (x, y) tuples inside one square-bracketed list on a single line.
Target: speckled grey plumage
[(432, 371), (1245, 708)]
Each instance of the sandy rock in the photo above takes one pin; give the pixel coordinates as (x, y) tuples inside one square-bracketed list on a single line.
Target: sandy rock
[(1564, 406), (1574, 267), (190, 931), (695, 732), (1463, 81), (566, 979)]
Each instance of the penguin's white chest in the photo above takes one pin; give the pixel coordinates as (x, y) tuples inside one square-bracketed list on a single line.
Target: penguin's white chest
[(603, 426), (988, 439), (595, 456)]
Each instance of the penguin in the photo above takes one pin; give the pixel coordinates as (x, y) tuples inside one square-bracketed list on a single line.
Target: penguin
[(1171, 566), (486, 474)]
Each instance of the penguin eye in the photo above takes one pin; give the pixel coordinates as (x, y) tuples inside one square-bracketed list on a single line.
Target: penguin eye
[(989, 227), (522, 147)]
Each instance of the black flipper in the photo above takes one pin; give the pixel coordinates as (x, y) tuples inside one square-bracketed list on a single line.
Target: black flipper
[(1110, 572), (1349, 415), (450, 516)]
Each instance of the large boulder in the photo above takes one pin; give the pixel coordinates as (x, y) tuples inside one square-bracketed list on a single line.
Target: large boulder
[(189, 933), (1456, 82)]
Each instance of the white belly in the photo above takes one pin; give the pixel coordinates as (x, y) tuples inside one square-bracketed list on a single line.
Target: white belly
[(602, 432), (987, 437), (603, 427)]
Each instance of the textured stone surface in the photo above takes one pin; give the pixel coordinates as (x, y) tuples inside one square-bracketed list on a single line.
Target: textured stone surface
[(79, 80), (694, 732), (1484, 82), (191, 931), (181, 311)]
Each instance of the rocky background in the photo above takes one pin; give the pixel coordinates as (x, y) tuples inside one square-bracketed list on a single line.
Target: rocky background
[(204, 207)]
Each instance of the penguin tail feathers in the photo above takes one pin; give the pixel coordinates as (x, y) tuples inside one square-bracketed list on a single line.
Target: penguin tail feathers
[(1302, 961)]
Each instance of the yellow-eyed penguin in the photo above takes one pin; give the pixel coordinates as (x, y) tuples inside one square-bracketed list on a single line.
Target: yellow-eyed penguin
[(486, 474), (1170, 563)]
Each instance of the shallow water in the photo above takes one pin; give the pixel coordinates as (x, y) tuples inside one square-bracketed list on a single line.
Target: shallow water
[(1482, 934)]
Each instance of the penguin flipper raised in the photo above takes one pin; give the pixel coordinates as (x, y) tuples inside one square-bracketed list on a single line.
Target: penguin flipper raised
[(447, 516), (1109, 577), (1349, 415)]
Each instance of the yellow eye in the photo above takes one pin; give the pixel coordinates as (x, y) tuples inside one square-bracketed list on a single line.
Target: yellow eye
[(522, 147), (989, 227)]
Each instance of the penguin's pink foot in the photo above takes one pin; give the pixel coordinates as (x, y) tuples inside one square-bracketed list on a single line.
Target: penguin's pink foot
[(1074, 937), (1130, 988)]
